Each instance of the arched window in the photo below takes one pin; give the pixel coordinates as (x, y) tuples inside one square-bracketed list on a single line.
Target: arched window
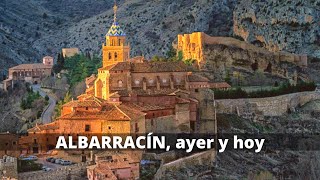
[(120, 83), (119, 42), (115, 56), (110, 56)]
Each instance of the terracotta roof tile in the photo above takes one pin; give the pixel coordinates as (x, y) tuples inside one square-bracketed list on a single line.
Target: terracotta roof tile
[(182, 101), (105, 172), (108, 112), (31, 66), (116, 164), (146, 107), (83, 103), (197, 78), (90, 80), (43, 127)]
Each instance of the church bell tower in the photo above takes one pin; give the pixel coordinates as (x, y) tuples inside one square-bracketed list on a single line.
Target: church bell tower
[(115, 49)]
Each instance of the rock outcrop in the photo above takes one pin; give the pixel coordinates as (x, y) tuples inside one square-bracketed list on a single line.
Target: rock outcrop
[(288, 25), (225, 55)]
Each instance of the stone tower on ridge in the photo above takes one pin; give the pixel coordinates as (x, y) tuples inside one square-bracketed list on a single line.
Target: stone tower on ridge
[(115, 49)]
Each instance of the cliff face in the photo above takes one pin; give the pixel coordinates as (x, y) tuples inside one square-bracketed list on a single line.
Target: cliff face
[(224, 55), (287, 25)]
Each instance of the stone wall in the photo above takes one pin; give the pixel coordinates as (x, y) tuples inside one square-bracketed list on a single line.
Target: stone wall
[(67, 172), (204, 158), (272, 106), (8, 167)]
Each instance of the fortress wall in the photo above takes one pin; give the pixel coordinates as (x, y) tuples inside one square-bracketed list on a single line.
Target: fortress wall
[(204, 159), (272, 106), (228, 41)]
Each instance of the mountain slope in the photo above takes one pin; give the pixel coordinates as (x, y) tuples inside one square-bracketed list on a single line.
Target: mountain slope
[(151, 26)]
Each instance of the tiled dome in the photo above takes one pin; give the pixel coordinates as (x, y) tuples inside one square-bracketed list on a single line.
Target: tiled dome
[(115, 30)]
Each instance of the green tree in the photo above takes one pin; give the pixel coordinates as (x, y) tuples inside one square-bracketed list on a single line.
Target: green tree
[(46, 98), (67, 98), (189, 62), (80, 66), (171, 53), (180, 56)]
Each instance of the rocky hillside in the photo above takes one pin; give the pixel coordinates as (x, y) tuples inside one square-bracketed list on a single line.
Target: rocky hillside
[(151, 26), (23, 24), (288, 25), (34, 28)]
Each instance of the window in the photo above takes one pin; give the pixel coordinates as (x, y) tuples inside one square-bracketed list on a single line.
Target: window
[(120, 83), (87, 108), (110, 56), (119, 42), (109, 127), (196, 90), (87, 128), (115, 56), (164, 80), (151, 81), (137, 82)]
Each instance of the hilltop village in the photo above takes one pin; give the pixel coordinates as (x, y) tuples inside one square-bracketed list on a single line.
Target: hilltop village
[(129, 95), (134, 95)]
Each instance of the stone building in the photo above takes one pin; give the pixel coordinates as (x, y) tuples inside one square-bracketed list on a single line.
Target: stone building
[(9, 144), (69, 52), (114, 166), (8, 168), (191, 46), (32, 73), (88, 115)]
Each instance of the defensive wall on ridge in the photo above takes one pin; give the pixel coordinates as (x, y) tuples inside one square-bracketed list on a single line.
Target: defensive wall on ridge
[(271, 106)]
